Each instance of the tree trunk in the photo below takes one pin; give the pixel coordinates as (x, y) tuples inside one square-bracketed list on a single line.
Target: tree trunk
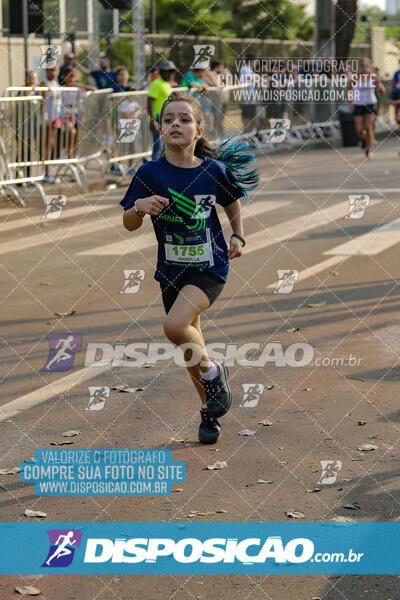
[(346, 15)]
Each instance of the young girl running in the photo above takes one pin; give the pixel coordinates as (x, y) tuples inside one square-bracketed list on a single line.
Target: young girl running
[(180, 190)]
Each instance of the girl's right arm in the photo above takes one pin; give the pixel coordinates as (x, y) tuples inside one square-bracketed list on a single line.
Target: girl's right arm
[(151, 206)]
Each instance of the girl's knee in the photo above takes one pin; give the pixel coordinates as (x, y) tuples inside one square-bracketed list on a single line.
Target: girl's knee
[(172, 328)]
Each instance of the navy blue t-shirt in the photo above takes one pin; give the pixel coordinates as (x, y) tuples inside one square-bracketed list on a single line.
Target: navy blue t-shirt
[(395, 95), (103, 80), (188, 231)]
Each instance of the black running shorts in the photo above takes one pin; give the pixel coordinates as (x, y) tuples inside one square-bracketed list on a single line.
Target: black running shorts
[(211, 285), (365, 109)]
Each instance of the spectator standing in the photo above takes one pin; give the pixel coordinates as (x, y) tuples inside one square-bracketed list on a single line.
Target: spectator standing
[(196, 82), (150, 77), (127, 110), (248, 105), (72, 102), (159, 90), (69, 61), (216, 76), (53, 111), (121, 83), (104, 77)]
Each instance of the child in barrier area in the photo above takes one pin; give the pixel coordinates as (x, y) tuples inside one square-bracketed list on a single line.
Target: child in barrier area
[(180, 191)]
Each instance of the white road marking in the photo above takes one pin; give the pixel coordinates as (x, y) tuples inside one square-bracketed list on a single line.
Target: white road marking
[(60, 234), (344, 192), (299, 225), (133, 244), (371, 243), (315, 269), (28, 220), (13, 408)]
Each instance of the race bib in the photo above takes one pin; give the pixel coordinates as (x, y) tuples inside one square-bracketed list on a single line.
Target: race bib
[(189, 248)]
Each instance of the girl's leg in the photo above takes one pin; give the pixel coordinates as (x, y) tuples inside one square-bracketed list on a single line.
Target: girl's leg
[(194, 371), (360, 128), (182, 326), (369, 126)]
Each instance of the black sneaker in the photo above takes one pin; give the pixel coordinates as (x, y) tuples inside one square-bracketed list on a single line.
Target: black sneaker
[(209, 428), (218, 394)]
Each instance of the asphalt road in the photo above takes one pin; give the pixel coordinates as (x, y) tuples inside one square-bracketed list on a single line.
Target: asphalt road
[(348, 268)]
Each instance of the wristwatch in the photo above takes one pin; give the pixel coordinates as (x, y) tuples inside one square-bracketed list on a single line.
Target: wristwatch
[(239, 237)]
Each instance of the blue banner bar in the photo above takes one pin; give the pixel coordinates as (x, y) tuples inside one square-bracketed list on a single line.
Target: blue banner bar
[(214, 548)]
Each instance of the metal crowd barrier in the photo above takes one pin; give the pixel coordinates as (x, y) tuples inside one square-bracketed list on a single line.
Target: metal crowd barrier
[(72, 124), (21, 145)]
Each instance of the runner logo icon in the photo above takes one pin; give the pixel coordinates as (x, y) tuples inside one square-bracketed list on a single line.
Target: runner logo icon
[(62, 351), (133, 279), (357, 206), (286, 280), (63, 543), (202, 55), (251, 394)]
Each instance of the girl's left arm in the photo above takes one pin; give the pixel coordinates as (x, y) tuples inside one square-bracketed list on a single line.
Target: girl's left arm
[(234, 214)]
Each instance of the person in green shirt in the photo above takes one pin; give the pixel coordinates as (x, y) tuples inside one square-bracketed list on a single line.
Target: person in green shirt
[(158, 92)]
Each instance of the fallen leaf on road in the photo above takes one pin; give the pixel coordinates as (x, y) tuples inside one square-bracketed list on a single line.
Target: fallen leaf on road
[(125, 388), (27, 590), (206, 513), (215, 449), (316, 304), (71, 433), (293, 329), (246, 432), (341, 519), (146, 366), (294, 514), (356, 378), (270, 387), (220, 464), (35, 513), (308, 389), (361, 422), (10, 471), (178, 490), (353, 506), (367, 447), (258, 482), (180, 441), (265, 422), (63, 443), (313, 490), (66, 314)]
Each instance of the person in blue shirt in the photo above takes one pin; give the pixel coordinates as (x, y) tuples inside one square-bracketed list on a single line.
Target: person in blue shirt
[(180, 191), (395, 101), (104, 77), (396, 78)]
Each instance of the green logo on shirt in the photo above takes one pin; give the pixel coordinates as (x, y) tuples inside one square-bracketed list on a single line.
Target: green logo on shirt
[(189, 207)]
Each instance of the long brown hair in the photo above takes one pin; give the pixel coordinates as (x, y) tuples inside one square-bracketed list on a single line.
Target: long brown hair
[(203, 147)]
